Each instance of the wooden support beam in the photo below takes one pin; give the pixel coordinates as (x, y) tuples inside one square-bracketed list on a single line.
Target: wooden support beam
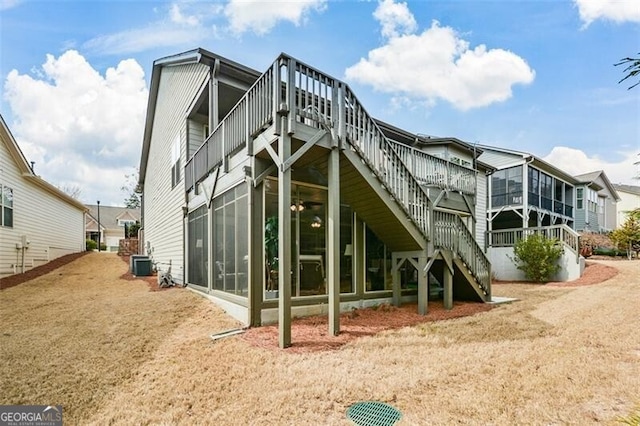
[(395, 274), (448, 289), (255, 273), (304, 148), (333, 243), (423, 286), (284, 243), (262, 176)]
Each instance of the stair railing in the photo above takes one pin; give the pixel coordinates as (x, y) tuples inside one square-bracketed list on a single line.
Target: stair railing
[(450, 232)]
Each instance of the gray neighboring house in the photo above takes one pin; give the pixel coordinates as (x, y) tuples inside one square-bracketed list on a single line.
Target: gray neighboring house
[(596, 200), (528, 195), (112, 224)]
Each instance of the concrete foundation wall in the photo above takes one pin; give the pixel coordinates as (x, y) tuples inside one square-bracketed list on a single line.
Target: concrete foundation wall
[(504, 269)]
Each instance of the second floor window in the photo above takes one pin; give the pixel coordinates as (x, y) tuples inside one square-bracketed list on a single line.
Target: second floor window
[(580, 198)]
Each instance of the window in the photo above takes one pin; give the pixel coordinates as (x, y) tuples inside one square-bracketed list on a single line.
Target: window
[(231, 241), (198, 247), (6, 204), (592, 203), (175, 163), (506, 187), (126, 222), (546, 191), (460, 161), (579, 198), (534, 186)]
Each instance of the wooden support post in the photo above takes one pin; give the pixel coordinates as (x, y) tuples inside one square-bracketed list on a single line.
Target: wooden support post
[(256, 256), (284, 242), (448, 288), (423, 285), (333, 243), (395, 275)]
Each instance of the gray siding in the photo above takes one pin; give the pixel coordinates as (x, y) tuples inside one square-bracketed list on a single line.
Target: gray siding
[(500, 160), (53, 226), (163, 216), (481, 208), (196, 136)]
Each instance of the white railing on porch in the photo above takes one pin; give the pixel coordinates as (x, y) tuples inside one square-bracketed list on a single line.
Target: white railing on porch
[(303, 94), (509, 237), (433, 171)]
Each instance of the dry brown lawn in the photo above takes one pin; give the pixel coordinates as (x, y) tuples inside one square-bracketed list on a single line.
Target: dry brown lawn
[(113, 352)]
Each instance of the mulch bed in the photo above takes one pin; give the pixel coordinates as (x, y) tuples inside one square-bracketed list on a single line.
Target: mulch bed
[(14, 280), (310, 334), (594, 273)]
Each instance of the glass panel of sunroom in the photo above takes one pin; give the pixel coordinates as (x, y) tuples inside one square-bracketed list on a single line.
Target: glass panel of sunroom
[(242, 241), (198, 246)]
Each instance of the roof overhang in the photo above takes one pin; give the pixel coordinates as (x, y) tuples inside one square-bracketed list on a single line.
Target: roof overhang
[(195, 56)]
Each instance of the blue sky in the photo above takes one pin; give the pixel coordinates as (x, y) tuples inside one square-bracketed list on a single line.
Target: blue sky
[(536, 76)]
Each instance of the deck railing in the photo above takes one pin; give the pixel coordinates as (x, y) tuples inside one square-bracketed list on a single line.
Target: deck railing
[(509, 237), (450, 232), (253, 112), (433, 171), (309, 96)]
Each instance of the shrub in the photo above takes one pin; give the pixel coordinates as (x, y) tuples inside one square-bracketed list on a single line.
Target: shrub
[(103, 247), (603, 251), (91, 245), (538, 257)]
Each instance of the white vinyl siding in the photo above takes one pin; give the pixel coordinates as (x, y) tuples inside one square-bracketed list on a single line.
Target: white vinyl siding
[(163, 215), (52, 226)]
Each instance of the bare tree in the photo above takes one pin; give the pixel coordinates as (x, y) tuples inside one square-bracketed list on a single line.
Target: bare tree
[(632, 70), (130, 188), (73, 191)]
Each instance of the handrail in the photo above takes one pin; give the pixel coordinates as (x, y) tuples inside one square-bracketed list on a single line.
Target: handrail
[(366, 138), (434, 171), (450, 232), (509, 237), (252, 112), (311, 97)]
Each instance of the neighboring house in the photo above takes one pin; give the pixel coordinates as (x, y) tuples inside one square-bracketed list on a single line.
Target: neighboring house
[(596, 200), (629, 201), (112, 224), (38, 222), (525, 195), (276, 194)]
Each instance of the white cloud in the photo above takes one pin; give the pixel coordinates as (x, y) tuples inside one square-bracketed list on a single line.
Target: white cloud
[(261, 16), (612, 10), (80, 127), (9, 4), (140, 39), (437, 64), (395, 18), (179, 18), (575, 162), (186, 24)]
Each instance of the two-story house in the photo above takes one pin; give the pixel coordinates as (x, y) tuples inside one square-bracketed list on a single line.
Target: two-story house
[(596, 200), (275, 194)]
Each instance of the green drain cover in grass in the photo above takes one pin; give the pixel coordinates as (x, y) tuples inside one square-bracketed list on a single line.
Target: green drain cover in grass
[(373, 413)]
